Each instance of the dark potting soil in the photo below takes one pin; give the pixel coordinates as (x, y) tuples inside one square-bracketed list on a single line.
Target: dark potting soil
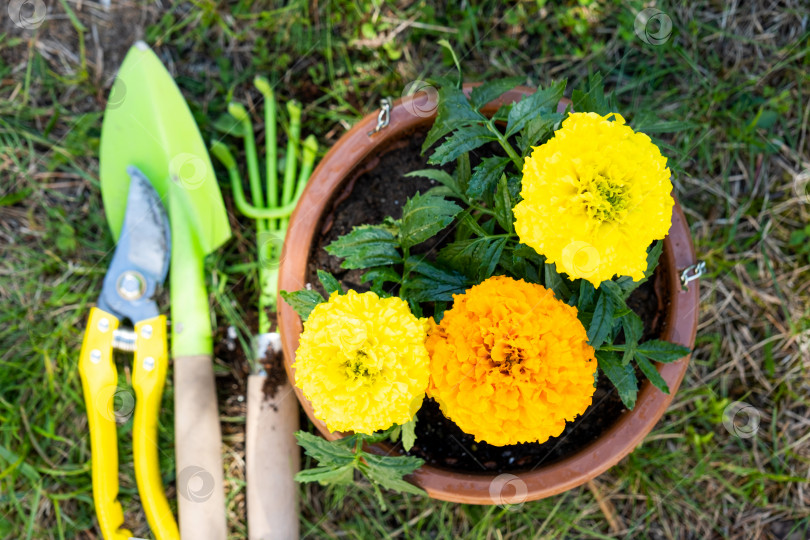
[(381, 192)]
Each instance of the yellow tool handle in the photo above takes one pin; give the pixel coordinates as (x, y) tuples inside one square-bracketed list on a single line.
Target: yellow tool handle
[(99, 382), (150, 365)]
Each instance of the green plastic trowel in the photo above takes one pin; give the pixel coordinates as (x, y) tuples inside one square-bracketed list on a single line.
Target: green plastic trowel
[(149, 125)]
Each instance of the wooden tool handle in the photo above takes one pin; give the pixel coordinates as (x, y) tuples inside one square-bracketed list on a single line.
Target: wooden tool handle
[(273, 458), (198, 448)]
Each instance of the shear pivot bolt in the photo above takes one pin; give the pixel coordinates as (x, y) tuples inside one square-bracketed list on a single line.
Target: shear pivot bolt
[(104, 325), (95, 356), (148, 363), (131, 285), (146, 331)]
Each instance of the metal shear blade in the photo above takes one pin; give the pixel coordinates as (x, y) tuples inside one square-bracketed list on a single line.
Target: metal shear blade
[(141, 257)]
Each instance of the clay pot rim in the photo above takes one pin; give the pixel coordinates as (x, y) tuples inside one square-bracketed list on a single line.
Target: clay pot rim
[(342, 162)]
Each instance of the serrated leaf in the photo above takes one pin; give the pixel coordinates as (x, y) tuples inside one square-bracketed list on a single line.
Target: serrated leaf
[(326, 452), (519, 267), (649, 371), (423, 216), (662, 351), (303, 301), (452, 112), (379, 277), (555, 282), (633, 329), (615, 292), (486, 175), (332, 475), (544, 100), (593, 99), (463, 171), (366, 246), (622, 376), (476, 258), (329, 282), (536, 130), (409, 434), (466, 220), (490, 90), (503, 205), (461, 141), (586, 294), (387, 471), (443, 177), (602, 322), (429, 283)]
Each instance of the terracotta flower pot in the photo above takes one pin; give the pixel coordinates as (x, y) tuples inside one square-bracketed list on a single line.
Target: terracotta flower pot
[(357, 152)]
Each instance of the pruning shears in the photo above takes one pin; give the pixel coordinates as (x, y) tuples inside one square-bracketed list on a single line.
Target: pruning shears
[(138, 266)]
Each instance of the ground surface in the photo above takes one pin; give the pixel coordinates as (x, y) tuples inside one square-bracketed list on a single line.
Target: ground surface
[(726, 95)]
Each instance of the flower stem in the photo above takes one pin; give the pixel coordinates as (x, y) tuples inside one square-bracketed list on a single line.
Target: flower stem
[(510, 151)]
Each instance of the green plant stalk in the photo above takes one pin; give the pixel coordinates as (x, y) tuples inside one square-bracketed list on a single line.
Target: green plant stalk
[(513, 155), (291, 159)]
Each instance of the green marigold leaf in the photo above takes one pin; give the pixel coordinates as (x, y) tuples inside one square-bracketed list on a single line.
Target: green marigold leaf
[(387, 471), (633, 329), (379, 276), (303, 301), (461, 141), (593, 99), (503, 205), (431, 283), (329, 475), (623, 377), (366, 246), (443, 177), (476, 258), (544, 100), (326, 452), (453, 111), (329, 282), (485, 176), (555, 282), (602, 322), (423, 216), (649, 370), (537, 131), (481, 95), (662, 351)]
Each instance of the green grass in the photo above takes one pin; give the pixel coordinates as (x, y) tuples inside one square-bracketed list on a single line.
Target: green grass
[(725, 96)]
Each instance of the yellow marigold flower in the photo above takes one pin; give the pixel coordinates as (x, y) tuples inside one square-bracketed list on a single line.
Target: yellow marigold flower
[(595, 196), (362, 362), (510, 363)]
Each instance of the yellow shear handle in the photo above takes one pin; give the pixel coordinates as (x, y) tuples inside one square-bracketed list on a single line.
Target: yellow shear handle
[(150, 365), (99, 382)]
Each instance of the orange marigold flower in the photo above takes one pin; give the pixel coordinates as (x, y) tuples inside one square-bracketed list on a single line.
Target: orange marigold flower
[(510, 363)]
